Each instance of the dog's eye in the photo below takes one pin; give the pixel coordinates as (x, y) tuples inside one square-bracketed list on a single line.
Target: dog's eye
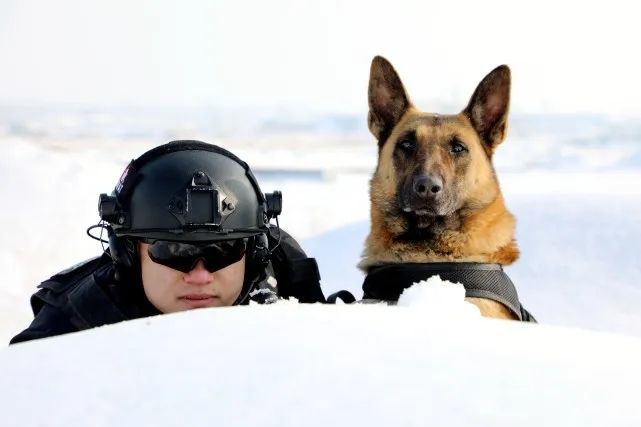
[(457, 147), (407, 145)]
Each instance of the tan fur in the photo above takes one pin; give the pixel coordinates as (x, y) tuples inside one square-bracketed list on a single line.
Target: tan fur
[(489, 308), (478, 227)]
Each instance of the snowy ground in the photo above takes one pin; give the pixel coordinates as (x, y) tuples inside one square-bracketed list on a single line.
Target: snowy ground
[(314, 365), (578, 229)]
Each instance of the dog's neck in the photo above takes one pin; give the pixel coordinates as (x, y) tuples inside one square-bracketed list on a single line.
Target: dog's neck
[(468, 235)]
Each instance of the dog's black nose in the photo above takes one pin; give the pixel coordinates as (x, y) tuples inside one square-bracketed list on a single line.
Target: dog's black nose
[(427, 186)]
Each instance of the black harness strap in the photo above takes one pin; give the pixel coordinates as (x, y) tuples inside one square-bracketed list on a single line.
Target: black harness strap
[(387, 282), (344, 295)]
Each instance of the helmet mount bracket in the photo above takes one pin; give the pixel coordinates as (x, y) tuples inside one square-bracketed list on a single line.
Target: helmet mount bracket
[(202, 203)]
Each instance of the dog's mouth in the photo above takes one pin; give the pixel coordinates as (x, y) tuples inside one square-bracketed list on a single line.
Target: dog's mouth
[(426, 211), (421, 211)]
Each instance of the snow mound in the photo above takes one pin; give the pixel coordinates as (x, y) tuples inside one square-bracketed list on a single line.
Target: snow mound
[(439, 298), (317, 365)]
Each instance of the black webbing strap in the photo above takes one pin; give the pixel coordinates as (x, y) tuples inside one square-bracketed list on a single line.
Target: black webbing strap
[(344, 295)]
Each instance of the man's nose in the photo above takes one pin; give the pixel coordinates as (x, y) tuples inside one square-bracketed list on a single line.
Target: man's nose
[(198, 274)]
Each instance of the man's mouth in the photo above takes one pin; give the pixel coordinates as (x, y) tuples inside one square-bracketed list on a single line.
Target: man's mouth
[(197, 297), (199, 300)]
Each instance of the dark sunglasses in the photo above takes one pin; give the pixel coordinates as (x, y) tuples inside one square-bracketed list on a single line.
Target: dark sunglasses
[(184, 256)]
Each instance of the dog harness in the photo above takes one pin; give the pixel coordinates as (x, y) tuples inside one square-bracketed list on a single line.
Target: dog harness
[(388, 281)]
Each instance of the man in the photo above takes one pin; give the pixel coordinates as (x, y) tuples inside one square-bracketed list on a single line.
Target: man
[(188, 227)]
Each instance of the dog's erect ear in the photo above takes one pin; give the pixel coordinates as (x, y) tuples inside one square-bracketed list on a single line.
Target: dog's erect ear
[(387, 99), (489, 106)]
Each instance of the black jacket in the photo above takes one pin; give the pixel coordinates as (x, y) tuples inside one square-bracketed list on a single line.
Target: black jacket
[(87, 295)]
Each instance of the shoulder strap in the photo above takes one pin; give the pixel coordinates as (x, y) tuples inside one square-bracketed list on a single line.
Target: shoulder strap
[(296, 273), (53, 290), (63, 280), (76, 293)]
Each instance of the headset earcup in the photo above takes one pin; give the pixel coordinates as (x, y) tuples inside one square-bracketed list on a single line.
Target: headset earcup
[(123, 252), (256, 260), (261, 251)]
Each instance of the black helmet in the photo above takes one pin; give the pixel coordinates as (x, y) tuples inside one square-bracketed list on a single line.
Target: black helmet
[(189, 191)]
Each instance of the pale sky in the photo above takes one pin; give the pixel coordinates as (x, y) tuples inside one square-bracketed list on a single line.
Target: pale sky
[(565, 56)]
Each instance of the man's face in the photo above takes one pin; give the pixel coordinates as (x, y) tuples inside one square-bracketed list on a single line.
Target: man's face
[(171, 290)]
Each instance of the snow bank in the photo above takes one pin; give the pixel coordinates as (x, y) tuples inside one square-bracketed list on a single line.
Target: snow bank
[(315, 365)]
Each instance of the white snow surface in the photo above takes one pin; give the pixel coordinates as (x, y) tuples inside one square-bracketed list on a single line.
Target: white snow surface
[(315, 365), (438, 298)]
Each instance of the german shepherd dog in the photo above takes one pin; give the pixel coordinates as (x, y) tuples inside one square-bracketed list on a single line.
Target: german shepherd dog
[(434, 195)]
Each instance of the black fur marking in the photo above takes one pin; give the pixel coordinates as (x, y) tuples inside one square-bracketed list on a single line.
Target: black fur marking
[(384, 135)]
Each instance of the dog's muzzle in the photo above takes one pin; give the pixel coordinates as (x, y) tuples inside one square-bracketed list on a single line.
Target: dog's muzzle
[(424, 195)]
